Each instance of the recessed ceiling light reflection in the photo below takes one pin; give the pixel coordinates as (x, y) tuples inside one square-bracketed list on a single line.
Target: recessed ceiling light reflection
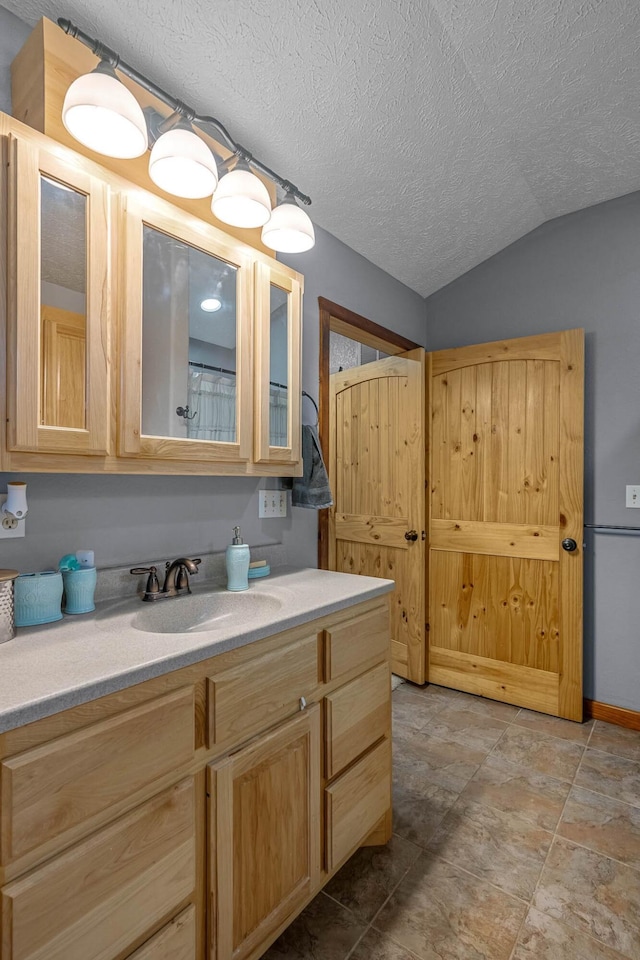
[(210, 304)]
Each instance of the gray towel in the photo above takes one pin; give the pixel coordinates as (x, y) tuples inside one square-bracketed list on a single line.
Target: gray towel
[(311, 490)]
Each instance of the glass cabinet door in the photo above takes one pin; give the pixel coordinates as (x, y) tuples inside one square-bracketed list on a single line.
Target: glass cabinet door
[(187, 351), (278, 297), (59, 390)]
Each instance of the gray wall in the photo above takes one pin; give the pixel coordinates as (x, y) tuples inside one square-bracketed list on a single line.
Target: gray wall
[(582, 270), (126, 519)]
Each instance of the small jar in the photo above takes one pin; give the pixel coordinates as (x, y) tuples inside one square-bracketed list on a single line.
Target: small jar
[(79, 588)]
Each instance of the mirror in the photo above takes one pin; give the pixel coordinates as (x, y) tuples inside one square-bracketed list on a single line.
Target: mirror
[(189, 355), (278, 367), (63, 288)]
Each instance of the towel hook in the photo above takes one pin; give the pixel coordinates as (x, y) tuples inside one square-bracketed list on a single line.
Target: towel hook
[(309, 397)]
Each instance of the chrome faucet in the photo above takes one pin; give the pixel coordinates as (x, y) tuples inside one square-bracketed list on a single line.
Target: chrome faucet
[(176, 579)]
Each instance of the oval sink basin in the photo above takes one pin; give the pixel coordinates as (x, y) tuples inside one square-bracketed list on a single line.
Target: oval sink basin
[(204, 613)]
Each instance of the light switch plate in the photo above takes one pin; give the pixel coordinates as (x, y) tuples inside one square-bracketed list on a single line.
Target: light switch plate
[(272, 503), (633, 496)]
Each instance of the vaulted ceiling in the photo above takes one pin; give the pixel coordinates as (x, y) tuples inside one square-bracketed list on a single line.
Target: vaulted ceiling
[(429, 133)]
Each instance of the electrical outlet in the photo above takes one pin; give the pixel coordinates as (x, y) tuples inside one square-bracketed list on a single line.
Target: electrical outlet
[(10, 528), (633, 496), (272, 503)]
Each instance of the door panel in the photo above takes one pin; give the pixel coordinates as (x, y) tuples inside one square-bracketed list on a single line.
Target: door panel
[(377, 472), (506, 489)]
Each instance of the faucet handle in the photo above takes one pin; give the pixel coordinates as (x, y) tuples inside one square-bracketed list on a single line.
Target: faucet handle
[(152, 581), (182, 580)]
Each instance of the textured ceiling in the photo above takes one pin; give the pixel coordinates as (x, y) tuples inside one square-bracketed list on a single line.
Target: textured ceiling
[(429, 133)]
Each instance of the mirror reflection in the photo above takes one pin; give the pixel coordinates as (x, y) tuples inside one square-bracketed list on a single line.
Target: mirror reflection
[(189, 355), (63, 288), (278, 367)]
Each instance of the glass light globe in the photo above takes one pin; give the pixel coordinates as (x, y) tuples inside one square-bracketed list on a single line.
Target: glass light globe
[(210, 304), (241, 199), (182, 164), (289, 230), (102, 114)]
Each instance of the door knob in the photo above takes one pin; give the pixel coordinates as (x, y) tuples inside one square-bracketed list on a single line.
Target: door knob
[(569, 545), (411, 535)]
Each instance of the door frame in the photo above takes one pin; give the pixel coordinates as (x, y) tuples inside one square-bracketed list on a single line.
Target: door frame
[(337, 319)]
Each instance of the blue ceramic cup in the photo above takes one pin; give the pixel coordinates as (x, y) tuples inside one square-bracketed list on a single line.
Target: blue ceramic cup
[(79, 587)]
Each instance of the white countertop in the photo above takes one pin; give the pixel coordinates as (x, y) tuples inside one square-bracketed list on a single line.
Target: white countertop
[(56, 666)]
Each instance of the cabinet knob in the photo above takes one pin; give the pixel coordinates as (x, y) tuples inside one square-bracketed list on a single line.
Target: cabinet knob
[(303, 703), (411, 535)]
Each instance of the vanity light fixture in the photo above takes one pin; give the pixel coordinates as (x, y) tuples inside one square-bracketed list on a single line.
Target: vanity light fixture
[(182, 164), (101, 113), (241, 199), (289, 229), (211, 304)]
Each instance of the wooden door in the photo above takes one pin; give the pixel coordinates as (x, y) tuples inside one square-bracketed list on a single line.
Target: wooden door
[(63, 344), (377, 464), (506, 492), (264, 825)]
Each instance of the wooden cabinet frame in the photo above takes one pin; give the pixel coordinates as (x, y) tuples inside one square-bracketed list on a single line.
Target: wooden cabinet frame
[(25, 431), (266, 275), (137, 212)]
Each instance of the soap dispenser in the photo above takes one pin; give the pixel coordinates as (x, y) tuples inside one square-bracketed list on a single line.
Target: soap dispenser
[(237, 557)]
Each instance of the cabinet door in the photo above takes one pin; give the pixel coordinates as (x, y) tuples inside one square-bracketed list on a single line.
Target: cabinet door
[(58, 333), (278, 295), (186, 323), (265, 835)]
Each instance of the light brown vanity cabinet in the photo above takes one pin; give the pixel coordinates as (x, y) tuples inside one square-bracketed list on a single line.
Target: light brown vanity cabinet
[(59, 329), (139, 337), (192, 817)]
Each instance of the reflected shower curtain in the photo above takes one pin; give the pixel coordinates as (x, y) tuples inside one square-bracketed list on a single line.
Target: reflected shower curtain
[(278, 406), (212, 397)]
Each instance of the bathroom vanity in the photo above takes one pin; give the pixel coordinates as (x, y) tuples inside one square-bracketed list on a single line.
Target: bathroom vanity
[(179, 780)]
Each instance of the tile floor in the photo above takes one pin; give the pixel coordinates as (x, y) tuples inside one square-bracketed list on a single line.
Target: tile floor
[(516, 837)]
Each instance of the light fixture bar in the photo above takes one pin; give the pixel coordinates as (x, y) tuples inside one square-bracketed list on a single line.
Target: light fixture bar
[(177, 106)]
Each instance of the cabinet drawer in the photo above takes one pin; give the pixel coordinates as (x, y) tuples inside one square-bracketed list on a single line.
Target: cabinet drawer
[(255, 695), (95, 899), (54, 787), (355, 803), (356, 642), (176, 941), (356, 716)]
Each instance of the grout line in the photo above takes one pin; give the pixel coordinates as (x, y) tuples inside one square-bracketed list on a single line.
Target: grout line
[(598, 853), (369, 925), (554, 835), (605, 796), (456, 866)]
